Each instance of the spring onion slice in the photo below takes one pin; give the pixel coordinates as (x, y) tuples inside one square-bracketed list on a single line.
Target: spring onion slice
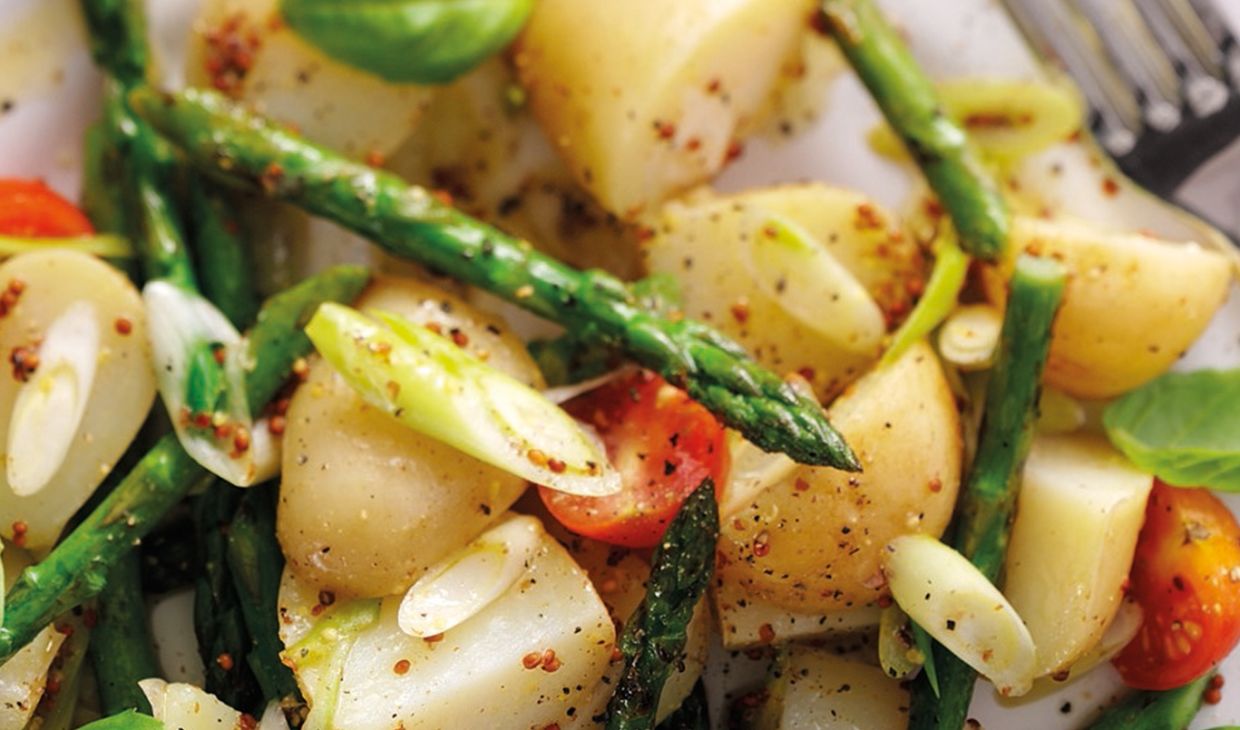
[(796, 272), (969, 338), (105, 245), (950, 598), (439, 389), (200, 369), (470, 579), (49, 407), (319, 658), (951, 265)]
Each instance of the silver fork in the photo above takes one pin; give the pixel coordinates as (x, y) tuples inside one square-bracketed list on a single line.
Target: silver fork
[(1162, 78)]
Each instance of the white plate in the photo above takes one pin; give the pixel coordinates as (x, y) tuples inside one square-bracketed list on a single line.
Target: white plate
[(47, 76)]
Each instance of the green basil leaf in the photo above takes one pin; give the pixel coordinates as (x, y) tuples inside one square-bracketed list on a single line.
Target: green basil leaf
[(1183, 427), (408, 41)]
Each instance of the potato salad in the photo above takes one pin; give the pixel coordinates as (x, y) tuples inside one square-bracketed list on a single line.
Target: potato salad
[(406, 365)]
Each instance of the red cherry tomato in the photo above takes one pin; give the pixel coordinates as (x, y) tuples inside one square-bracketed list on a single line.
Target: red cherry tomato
[(663, 444), (31, 208), (1186, 577)]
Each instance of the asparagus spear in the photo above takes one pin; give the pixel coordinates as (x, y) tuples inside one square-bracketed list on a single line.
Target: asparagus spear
[(987, 502), (1173, 709), (226, 141), (909, 102), (219, 624), (77, 568), (120, 644), (692, 713), (654, 638), (256, 563), (227, 277)]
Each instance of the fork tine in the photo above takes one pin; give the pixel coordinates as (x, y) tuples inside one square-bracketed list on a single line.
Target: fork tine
[(1131, 46), (1051, 28), (1220, 31), (1191, 50)]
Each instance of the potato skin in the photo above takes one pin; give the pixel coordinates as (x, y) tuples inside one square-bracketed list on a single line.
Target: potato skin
[(1132, 306), (812, 543), (701, 243), (367, 504), (650, 95)]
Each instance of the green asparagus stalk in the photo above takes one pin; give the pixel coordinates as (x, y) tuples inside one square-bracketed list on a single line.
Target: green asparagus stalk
[(1172, 709), (986, 505), (219, 623), (120, 645), (256, 564), (227, 276), (654, 638), (228, 142), (129, 720), (912, 107), (118, 38), (77, 568), (692, 713)]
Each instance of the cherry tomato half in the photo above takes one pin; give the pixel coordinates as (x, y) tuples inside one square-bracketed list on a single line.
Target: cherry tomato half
[(31, 208), (663, 444), (1186, 577)]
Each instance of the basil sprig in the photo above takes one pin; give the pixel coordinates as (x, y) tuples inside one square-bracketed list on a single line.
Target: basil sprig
[(1183, 427), (408, 41)]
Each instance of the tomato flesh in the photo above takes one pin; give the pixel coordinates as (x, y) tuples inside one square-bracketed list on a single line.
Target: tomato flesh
[(1186, 577), (663, 444), (31, 208)]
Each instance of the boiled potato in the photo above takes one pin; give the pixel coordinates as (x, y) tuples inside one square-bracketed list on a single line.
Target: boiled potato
[(53, 281), (1132, 306), (475, 674), (243, 48), (649, 97), (818, 688), (707, 243), (24, 676), (367, 505), (1083, 502), (747, 621), (812, 543)]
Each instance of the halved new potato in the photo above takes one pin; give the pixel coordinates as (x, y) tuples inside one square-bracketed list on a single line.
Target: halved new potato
[(813, 542), (367, 504), (816, 687), (243, 47), (797, 309), (104, 313), (1082, 501), (650, 96), (529, 659), (1132, 306)]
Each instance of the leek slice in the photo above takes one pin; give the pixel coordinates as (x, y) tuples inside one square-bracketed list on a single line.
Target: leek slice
[(950, 598), (951, 266), (104, 245), (471, 578), (49, 407), (795, 271), (439, 389), (318, 659), (186, 334)]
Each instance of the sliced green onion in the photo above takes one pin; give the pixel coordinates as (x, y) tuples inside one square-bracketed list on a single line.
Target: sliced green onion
[(439, 389), (470, 579), (205, 396), (956, 604), (104, 245), (969, 338), (50, 405), (318, 659), (897, 651), (951, 265), (795, 271)]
